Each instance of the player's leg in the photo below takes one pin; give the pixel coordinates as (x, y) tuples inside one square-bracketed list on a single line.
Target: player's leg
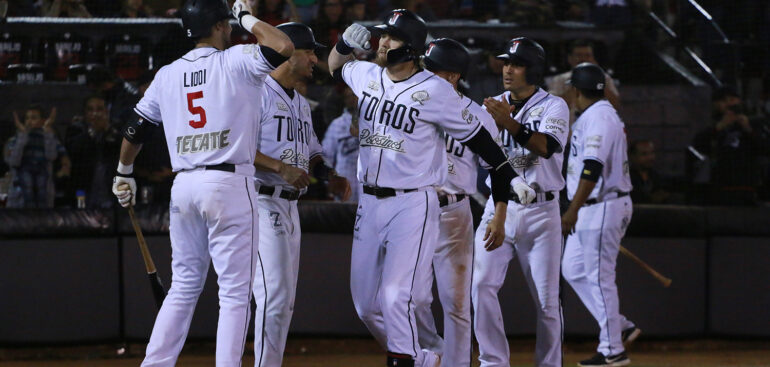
[(275, 280), (574, 270), (427, 334), (366, 268), (539, 248), (233, 220), (489, 269), (452, 264), (410, 234), (189, 266)]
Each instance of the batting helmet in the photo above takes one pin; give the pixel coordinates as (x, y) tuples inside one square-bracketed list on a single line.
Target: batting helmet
[(587, 76), (300, 35), (448, 55), (526, 52), (198, 16), (408, 27)]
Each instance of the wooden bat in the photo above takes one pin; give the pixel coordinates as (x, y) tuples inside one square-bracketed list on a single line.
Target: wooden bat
[(158, 291), (666, 282)]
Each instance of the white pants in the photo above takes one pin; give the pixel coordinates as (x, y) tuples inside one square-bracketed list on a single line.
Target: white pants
[(452, 264), (393, 243), (275, 283), (533, 234), (213, 218), (589, 266)]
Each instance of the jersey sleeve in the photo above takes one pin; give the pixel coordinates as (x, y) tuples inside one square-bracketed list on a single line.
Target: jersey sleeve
[(148, 107), (459, 116), (356, 74), (248, 62), (488, 123), (555, 122), (596, 141), (328, 144)]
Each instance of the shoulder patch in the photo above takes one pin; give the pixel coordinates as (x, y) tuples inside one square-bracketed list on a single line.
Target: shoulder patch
[(537, 112), (373, 85), (281, 106), (420, 96)]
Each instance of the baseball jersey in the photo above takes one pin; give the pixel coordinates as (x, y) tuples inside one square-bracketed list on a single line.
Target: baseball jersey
[(286, 132), (462, 163), (547, 114), (400, 125), (200, 100), (340, 148), (599, 134)]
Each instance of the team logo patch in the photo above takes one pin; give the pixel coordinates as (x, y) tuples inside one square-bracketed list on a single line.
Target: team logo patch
[(430, 49), (281, 106), (394, 18), (513, 48), (420, 96), (373, 85), (536, 112), (468, 116), (130, 131)]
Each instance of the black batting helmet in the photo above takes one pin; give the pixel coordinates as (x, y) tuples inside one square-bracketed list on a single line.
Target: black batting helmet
[(526, 52), (300, 35), (198, 16), (408, 27), (587, 76), (446, 54)]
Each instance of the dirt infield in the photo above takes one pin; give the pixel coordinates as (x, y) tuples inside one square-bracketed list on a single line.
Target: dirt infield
[(316, 352)]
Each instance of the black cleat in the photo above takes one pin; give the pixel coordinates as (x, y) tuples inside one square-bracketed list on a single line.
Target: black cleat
[(629, 335), (599, 359)]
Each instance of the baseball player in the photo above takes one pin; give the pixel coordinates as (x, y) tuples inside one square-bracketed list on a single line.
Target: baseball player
[(212, 140), (534, 136), (453, 257), (402, 157), (340, 143), (598, 185), (287, 143)]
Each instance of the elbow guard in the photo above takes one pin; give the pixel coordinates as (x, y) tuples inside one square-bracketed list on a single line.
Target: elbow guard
[(501, 182), (272, 56), (483, 145), (592, 169), (138, 131)]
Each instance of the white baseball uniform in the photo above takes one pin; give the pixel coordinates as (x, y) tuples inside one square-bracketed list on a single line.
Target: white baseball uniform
[(402, 157), (591, 252), (213, 211), (286, 135), (453, 258), (532, 233), (341, 151)]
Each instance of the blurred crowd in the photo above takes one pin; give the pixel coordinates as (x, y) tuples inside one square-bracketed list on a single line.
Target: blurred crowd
[(68, 161)]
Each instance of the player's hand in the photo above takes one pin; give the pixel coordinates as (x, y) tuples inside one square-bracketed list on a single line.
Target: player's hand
[(568, 221), (340, 187), (495, 233), (525, 193), (125, 190), (500, 111), (240, 6), (357, 36), (294, 176)]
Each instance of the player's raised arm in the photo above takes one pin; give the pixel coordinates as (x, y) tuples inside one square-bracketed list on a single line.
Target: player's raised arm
[(355, 36), (266, 34)]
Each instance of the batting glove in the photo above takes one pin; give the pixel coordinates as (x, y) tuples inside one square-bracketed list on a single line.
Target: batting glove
[(357, 36), (525, 193), (124, 185), (240, 6)]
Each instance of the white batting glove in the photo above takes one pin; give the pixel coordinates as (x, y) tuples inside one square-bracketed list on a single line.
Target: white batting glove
[(357, 36), (125, 189), (525, 193), (240, 6)]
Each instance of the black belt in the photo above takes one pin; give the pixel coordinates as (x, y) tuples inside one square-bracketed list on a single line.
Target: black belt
[(594, 201), (443, 199), (383, 192), (227, 167), (270, 190), (548, 197)]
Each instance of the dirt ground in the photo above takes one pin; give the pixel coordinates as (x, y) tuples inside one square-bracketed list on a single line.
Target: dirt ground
[(318, 352)]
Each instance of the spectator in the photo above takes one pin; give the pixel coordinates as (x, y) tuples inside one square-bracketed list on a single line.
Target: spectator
[(94, 154), (120, 95), (306, 10), (734, 147), (355, 10), (580, 51), (529, 12), (486, 80), (330, 22), (649, 185), (275, 12), (65, 9), (31, 154), (133, 9), (340, 142)]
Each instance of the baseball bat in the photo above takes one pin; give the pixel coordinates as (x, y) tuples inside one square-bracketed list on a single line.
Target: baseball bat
[(666, 282), (158, 291)]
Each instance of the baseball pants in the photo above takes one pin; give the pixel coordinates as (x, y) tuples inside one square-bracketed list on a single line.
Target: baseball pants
[(589, 266), (393, 243), (452, 264), (275, 282), (533, 234), (213, 218)]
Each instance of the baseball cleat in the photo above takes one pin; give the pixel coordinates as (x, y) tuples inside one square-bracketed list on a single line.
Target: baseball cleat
[(629, 335), (620, 359)]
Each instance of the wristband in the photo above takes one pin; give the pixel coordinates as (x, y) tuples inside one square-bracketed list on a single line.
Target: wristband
[(523, 135), (342, 47), (247, 21), (125, 170)]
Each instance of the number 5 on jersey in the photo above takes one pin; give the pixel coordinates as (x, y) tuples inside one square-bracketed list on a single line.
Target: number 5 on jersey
[(196, 110)]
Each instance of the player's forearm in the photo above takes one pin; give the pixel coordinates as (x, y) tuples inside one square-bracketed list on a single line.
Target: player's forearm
[(501, 210), (585, 187), (128, 152), (314, 161), (268, 164), (270, 36), (538, 144), (336, 60)]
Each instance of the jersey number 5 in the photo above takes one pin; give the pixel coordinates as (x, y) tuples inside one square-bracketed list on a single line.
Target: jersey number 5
[(196, 110)]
